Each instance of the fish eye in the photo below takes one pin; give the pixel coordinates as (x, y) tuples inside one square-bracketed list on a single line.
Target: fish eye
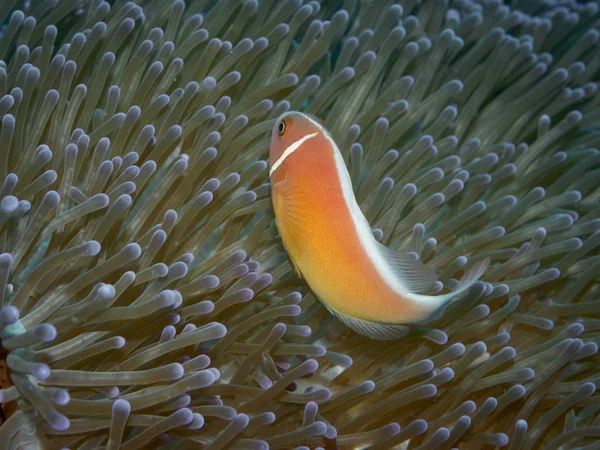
[(281, 128)]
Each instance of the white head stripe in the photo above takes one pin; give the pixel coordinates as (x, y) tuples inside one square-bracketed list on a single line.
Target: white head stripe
[(291, 149)]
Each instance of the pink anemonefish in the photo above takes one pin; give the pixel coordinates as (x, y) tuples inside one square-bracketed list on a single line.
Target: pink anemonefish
[(370, 288)]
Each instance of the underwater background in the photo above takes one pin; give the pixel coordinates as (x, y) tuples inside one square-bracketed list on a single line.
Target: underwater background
[(147, 300)]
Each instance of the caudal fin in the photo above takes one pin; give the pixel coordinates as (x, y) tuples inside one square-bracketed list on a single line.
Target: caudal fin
[(431, 303), (428, 304), (471, 276)]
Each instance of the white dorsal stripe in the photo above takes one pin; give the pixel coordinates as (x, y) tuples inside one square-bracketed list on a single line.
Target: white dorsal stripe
[(291, 149), (363, 228)]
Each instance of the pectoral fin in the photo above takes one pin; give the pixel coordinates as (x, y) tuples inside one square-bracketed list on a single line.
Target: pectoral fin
[(293, 216), (296, 269)]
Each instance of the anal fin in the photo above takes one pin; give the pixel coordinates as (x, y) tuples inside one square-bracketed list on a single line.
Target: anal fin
[(373, 330)]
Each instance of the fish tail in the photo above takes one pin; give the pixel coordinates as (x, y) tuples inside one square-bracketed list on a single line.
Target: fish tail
[(431, 303), (428, 304)]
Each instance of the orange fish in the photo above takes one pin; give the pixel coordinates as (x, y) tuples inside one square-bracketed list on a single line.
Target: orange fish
[(370, 288)]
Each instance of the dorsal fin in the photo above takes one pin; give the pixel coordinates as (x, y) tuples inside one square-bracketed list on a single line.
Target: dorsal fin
[(415, 276)]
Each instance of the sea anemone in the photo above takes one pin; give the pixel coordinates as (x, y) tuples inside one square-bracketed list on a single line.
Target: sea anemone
[(147, 300)]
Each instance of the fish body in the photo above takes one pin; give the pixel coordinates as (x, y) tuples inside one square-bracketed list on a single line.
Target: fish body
[(369, 287)]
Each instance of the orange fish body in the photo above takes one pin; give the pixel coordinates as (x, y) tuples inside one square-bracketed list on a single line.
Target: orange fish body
[(330, 243)]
